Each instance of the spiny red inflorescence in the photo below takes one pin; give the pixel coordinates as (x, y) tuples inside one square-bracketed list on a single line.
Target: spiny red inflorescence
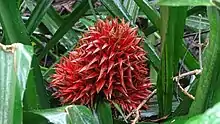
[(109, 60)]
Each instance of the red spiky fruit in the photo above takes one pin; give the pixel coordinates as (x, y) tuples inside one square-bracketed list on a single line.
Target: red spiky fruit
[(109, 60)]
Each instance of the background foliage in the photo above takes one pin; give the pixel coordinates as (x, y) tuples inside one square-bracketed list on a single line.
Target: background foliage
[(182, 38)]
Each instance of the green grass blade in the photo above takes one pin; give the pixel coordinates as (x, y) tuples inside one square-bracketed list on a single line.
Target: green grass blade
[(209, 79), (65, 26), (14, 28), (37, 15), (172, 27)]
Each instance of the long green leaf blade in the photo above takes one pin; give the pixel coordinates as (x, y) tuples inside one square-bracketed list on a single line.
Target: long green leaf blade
[(35, 96), (8, 83), (37, 14), (66, 25), (150, 12), (14, 29), (155, 18), (210, 74), (172, 25)]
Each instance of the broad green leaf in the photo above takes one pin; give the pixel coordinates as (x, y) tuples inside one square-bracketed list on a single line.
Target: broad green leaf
[(116, 8), (185, 2), (54, 115), (38, 119), (211, 116), (80, 115), (66, 26), (104, 112), (207, 92), (73, 114), (14, 29), (14, 69), (171, 30), (35, 96), (37, 15)]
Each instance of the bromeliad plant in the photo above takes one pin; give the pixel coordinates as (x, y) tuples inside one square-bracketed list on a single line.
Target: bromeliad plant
[(108, 60)]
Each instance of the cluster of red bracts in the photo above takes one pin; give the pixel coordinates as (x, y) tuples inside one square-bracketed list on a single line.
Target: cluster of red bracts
[(108, 60)]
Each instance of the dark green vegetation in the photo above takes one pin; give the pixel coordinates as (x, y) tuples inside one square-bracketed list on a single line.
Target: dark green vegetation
[(180, 36)]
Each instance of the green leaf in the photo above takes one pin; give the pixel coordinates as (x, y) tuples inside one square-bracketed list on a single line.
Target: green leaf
[(14, 29), (116, 121), (211, 116), (195, 23), (35, 96), (150, 12), (14, 71), (132, 9), (184, 3), (177, 120), (196, 10), (37, 15), (186, 102), (116, 8), (73, 114), (65, 26), (190, 61), (153, 56), (154, 17), (216, 3), (172, 27), (80, 115), (52, 21), (207, 91), (104, 112)]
